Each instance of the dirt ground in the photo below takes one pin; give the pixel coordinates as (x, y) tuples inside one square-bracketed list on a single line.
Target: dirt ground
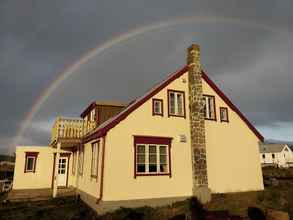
[(276, 196)]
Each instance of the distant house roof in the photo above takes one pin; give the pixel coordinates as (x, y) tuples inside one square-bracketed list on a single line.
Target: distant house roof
[(271, 148), (113, 121)]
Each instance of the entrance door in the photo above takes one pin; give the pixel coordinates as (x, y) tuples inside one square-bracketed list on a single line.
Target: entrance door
[(62, 171)]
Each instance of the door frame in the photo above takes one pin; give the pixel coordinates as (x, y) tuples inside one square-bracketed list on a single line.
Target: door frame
[(67, 172)]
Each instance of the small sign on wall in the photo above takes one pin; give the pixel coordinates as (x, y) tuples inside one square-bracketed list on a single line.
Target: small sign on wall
[(182, 138)]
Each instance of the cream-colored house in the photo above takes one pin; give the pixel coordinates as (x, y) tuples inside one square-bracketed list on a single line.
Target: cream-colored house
[(182, 138), (278, 155)]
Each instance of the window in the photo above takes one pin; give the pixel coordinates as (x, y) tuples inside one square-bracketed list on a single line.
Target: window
[(209, 107), (152, 156), (224, 114), (263, 156), (95, 159), (158, 107), (74, 155), (30, 162), (273, 156), (92, 115), (81, 160), (176, 103)]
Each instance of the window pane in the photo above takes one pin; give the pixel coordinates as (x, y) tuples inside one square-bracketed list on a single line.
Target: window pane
[(140, 168), (163, 168), (141, 158), (153, 149), (153, 158), (180, 103), (30, 164), (157, 107), (141, 149), (172, 103), (153, 168), (205, 106), (163, 149), (212, 108), (163, 159)]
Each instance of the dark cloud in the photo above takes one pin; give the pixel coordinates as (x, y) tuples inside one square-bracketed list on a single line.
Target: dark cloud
[(249, 60)]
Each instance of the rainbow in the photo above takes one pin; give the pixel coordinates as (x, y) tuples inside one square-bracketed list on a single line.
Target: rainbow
[(70, 69)]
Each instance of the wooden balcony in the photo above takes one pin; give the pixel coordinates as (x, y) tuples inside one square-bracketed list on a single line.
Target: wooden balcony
[(69, 131)]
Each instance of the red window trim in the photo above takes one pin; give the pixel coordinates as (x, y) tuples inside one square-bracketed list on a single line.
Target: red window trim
[(225, 109), (184, 111), (95, 176), (153, 107), (139, 139), (215, 109), (30, 154)]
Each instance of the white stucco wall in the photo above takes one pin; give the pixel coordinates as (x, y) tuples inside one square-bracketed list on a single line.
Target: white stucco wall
[(42, 177), (232, 152), (119, 181)]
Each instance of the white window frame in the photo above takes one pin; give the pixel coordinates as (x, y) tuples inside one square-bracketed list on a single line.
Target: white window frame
[(95, 158), (174, 110), (147, 156), (93, 115), (34, 163), (157, 103), (223, 114), (208, 101)]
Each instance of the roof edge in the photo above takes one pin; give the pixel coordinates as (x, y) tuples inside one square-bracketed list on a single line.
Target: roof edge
[(231, 105), (103, 131)]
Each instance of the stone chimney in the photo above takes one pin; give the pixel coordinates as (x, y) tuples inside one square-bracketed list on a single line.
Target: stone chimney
[(197, 125)]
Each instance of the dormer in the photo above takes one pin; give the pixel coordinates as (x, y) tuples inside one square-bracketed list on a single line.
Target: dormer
[(101, 111)]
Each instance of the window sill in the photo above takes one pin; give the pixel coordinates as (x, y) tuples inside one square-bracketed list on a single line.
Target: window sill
[(210, 119), (153, 174), (158, 115), (179, 116)]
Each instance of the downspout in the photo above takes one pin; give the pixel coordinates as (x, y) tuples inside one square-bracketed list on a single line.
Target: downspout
[(101, 189)]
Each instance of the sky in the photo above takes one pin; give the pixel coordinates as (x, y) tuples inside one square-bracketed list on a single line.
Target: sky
[(120, 49)]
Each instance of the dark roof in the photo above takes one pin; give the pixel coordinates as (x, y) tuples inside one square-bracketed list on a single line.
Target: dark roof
[(103, 103), (112, 122)]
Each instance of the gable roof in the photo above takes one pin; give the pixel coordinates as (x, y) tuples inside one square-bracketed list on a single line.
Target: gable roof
[(102, 129), (271, 148)]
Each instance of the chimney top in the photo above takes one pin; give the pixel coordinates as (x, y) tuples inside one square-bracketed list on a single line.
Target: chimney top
[(193, 47)]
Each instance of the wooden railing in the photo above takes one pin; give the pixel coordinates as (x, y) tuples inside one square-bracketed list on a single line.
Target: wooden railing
[(71, 128)]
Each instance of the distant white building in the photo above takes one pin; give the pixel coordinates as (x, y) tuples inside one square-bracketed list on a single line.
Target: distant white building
[(279, 155)]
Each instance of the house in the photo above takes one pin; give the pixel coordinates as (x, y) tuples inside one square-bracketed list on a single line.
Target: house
[(182, 138), (279, 155)]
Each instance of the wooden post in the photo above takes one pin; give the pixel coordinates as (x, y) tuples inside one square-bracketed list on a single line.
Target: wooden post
[(55, 181)]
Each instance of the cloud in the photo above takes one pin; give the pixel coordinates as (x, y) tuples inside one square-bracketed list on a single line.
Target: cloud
[(38, 39)]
